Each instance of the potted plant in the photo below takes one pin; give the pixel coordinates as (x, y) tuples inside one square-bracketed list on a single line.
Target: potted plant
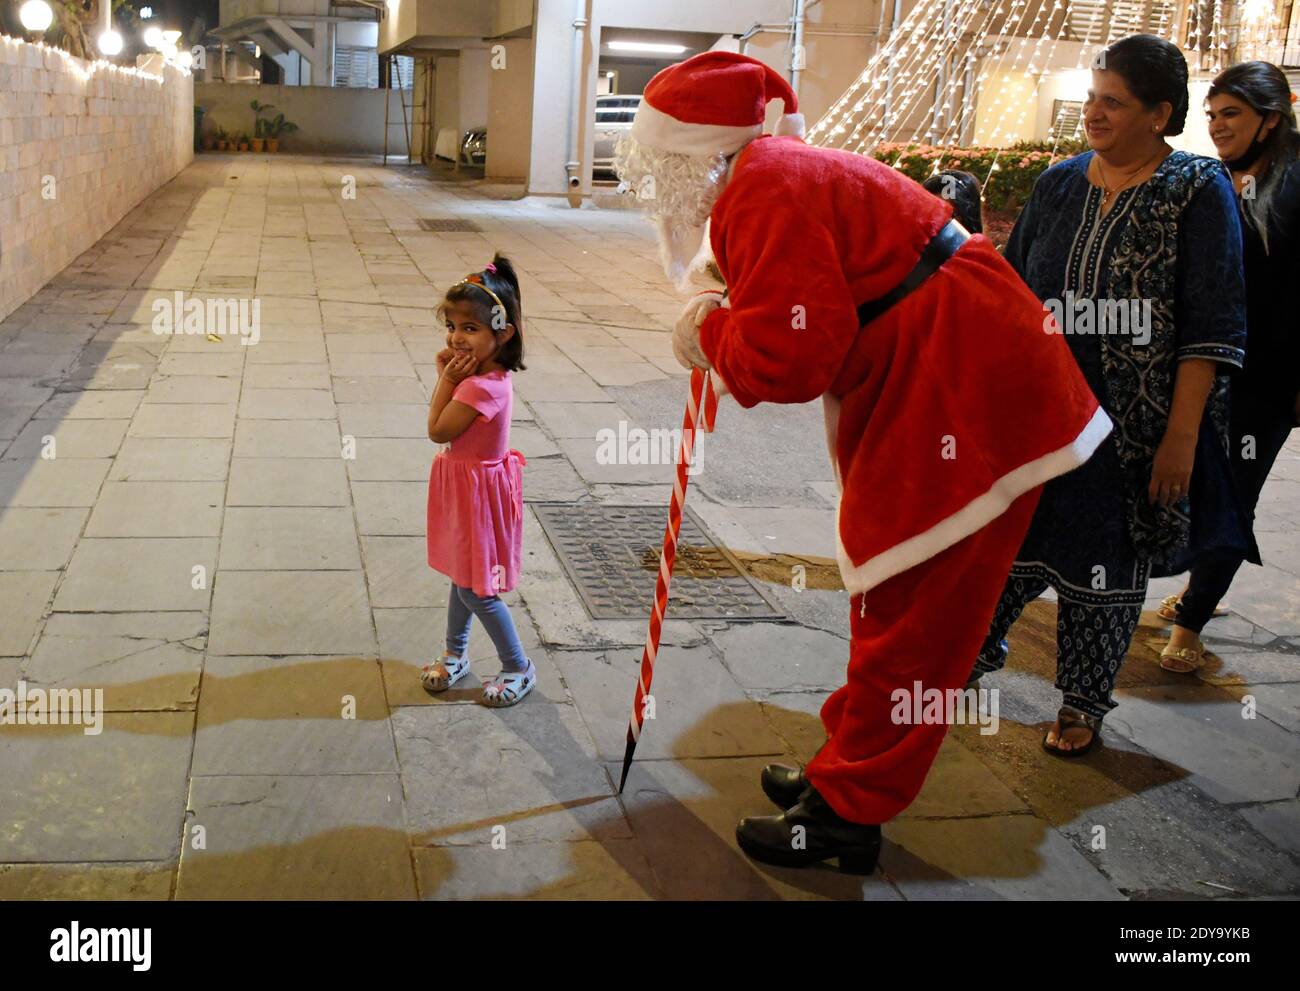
[(209, 140), (276, 127), (223, 139), (259, 123), (243, 142)]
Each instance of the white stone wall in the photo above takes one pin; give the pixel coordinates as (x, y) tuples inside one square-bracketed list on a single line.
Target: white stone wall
[(330, 119), (80, 145)]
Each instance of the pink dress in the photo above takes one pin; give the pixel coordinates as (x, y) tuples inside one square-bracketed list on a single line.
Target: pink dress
[(476, 504)]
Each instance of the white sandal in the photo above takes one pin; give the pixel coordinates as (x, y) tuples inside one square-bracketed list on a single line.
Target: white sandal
[(508, 689), (444, 672)]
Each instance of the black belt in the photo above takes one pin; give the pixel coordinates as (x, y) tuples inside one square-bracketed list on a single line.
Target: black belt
[(941, 247)]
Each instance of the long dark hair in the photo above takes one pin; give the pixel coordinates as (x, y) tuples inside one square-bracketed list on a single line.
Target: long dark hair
[(961, 189), (500, 277), (1155, 72), (1263, 87)]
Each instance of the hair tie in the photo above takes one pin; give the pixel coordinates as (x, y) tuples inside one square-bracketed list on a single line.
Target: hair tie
[(491, 268), (1293, 98)]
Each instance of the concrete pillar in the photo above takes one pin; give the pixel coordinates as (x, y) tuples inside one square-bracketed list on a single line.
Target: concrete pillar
[(553, 62), (473, 90), (585, 112), (510, 108), (446, 102)]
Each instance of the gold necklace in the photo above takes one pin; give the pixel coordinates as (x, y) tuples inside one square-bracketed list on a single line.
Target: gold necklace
[(1109, 192)]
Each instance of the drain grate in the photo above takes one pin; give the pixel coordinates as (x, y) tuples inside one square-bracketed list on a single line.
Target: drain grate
[(612, 555), (448, 225)]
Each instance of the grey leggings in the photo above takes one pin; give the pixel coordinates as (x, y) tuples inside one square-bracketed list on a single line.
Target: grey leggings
[(463, 605)]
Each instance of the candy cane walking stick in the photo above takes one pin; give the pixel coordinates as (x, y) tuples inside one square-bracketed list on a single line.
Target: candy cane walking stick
[(701, 408)]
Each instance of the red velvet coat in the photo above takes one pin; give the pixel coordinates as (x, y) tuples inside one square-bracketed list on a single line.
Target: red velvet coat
[(950, 405)]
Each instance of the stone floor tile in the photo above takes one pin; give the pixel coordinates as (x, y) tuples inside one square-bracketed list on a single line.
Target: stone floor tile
[(142, 661), (157, 509), (134, 574), (284, 538), (118, 795), (323, 837), (292, 715), (291, 612)]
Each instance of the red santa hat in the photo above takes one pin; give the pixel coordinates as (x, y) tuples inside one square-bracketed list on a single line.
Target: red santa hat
[(714, 102)]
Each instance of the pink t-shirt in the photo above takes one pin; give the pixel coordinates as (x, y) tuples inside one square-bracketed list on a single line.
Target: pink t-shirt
[(488, 437)]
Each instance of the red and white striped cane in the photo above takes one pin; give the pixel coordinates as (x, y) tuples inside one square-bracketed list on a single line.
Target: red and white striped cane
[(701, 408)]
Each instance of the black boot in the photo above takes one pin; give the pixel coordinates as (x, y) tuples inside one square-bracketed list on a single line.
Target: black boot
[(779, 840), (783, 784)]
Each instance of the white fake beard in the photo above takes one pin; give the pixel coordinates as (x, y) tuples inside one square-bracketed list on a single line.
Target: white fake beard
[(683, 250), (686, 187)]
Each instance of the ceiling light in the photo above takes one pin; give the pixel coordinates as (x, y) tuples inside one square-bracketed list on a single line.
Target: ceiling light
[(646, 46)]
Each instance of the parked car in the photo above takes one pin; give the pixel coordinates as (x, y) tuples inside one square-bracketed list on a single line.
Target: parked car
[(473, 147), (614, 115)]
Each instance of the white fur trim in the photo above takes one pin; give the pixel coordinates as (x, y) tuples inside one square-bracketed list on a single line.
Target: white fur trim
[(975, 515), (791, 124), (656, 129), (720, 387), (831, 414)]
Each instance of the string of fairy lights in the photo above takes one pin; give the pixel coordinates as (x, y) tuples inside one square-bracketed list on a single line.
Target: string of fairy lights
[(84, 69), (953, 66)]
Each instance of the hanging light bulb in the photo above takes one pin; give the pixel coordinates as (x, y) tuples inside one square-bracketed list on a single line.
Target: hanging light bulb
[(36, 15), (110, 42), (153, 37)]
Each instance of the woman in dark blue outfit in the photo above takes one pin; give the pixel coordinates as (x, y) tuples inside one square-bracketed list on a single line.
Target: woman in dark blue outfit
[(1253, 126), (1136, 248)]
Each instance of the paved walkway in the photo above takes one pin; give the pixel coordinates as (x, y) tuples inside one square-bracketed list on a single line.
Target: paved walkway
[(255, 604)]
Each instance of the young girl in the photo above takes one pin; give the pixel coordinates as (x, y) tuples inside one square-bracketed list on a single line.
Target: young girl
[(475, 520)]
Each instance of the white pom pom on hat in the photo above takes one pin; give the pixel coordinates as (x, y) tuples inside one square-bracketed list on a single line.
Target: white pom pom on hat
[(714, 102)]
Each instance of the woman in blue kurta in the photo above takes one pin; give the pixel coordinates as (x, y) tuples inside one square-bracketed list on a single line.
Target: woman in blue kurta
[(1130, 225)]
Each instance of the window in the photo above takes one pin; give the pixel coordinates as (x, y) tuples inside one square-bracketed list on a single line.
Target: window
[(1103, 21), (1067, 115), (356, 67)]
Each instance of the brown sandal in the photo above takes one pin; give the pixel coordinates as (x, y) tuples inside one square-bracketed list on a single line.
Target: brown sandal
[(1071, 718)]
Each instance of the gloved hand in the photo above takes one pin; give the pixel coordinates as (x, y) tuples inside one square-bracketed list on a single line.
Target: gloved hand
[(686, 333)]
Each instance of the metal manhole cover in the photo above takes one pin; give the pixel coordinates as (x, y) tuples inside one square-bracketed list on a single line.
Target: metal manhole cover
[(612, 555), (448, 225)]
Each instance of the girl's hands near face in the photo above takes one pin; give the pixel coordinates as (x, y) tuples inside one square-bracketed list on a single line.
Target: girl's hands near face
[(460, 367), (444, 356)]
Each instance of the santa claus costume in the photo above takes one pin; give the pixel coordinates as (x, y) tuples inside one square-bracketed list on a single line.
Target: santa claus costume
[(947, 408)]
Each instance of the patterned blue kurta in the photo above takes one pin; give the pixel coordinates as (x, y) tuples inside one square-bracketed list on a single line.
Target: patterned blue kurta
[(1064, 249)]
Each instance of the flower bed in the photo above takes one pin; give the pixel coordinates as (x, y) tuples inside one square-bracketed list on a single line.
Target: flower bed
[(1006, 187)]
